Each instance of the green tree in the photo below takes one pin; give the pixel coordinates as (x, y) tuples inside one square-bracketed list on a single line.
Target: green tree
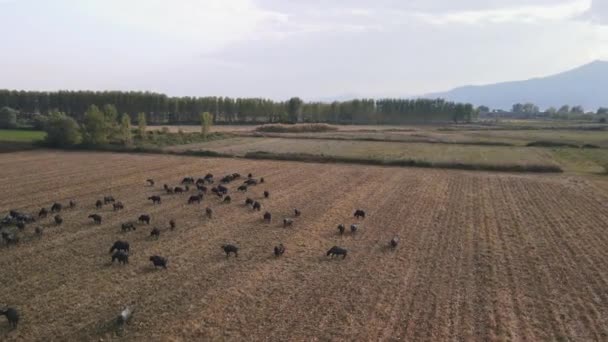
[(206, 122), (8, 117), (62, 130), (112, 121), (602, 111), (141, 124), (294, 108), (95, 130), (482, 110), (565, 109), (126, 137), (577, 110)]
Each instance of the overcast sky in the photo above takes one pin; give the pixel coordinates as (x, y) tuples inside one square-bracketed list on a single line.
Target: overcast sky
[(282, 48)]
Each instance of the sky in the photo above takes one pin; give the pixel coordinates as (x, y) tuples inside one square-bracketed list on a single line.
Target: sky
[(315, 49)]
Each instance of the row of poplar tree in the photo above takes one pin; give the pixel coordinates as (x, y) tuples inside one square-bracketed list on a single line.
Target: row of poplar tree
[(161, 109)]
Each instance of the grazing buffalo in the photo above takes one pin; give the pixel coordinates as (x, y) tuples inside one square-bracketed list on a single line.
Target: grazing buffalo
[(11, 315), (72, 204), (287, 222), (195, 198), (353, 228), (267, 217), (9, 239), (150, 182), (122, 257), (172, 224), (38, 231), (250, 176), (58, 220), (201, 188), (98, 204), (56, 207), (144, 219), (178, 190), (169, 191), (127, 227), (43, 213), (227, 199), (209, 212), (251, 182), (336, 251), (262, 180), (222, 189), (341, 228), (96, 218), (208, 176), (155, 232), (297, 213), (159, 261), (266, 194), (394, 242), (248, 201), (279, 250), (360, 214), (257, 206), (155, 199), (118, 206), (230, 249), (120, 246), (242, 188), (108, 199), (188, 180)]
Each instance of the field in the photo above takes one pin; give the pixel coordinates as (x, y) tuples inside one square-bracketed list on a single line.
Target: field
[(483, 256), (14, 135)]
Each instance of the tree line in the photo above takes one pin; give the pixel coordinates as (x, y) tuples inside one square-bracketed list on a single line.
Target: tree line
[(162, 109)]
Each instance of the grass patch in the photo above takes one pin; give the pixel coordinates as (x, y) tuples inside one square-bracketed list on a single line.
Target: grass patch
[(314, 158), (550, 144), (166, 138), (17, 135), (297, 128)]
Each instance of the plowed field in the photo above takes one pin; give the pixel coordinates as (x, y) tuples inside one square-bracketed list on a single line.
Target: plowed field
[(482, 256)]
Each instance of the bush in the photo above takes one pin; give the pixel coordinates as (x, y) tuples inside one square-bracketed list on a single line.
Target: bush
[(62, 131), (550, 144), (299, 128), (8, 117), (39, 122)]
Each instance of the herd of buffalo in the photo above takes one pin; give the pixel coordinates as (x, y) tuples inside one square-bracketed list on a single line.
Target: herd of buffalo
[(15, 222)]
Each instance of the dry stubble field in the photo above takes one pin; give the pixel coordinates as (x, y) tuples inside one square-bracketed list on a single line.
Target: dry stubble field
[(482, 256)]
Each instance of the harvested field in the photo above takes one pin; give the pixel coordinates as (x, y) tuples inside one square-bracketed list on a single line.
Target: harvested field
[(482, 256)]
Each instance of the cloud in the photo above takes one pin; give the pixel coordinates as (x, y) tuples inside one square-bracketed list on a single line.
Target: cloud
[(598, 13)]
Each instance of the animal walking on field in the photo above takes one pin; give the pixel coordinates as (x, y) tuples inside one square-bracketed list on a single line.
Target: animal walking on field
[(266, 194), (172, 224), (279, 250), (155, 233), (122, 257), (72, 204), (155, 199), (248, 201), (11, 315), (9, 239), (144, 219), (98, 204), (43, 213), (359, 214), (262, 180), (195, 198), (337, 251), (56, 207), (341, 228), (38, 231), (118, 206), (267, 217), (354, 228), (257, 206), (287, 222), (227, 199), (96, 218), (230, 249), (150, 182), (108, 199), (58, 220), (128, 227), (209, 212), (120, 246), (297, 212), (242, 188), (159, 261), (394, 242), (188, 180)]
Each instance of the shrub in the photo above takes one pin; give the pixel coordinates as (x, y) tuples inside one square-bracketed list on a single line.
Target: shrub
[(8, 117), (62, 131)]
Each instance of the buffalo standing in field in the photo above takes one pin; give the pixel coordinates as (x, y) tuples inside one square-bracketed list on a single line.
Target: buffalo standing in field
[(43, 213), (58, 220), (108, 199), (266, 194), (201, 188), (230, 249), (341, 228), (56, 207), (287, 222), (150, 182), (242, 188), (337, 251), (38, 231), (120, 246), (118, 206), (227, 199), (159, 261), (195, 198), (155, 233), (188, 180), (297, 212), (267, 217), (12, 315), (72, 204), (261, 180), (279, 250), (209, 212), (250, 175), (172, 224), (144, 219), (248, 201), (222, 189), (155, 199), (9, 239), (251, 182), (359, 214), (96, 218), (98, 204), (394, 242), (257, 206), (127, 227), (122, 257), (354, 228)]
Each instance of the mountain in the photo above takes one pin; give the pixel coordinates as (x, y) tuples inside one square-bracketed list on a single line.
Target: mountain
[(586, 85)]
